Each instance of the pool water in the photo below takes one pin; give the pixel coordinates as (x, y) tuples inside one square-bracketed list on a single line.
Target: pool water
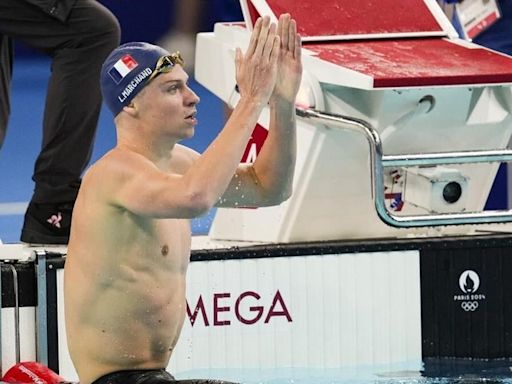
[(431, 371)]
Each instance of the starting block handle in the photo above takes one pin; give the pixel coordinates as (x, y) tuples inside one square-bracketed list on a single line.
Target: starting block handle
[(378, 161)]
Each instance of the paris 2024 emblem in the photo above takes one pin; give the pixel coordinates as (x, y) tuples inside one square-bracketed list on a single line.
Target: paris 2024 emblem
[(469, 282)]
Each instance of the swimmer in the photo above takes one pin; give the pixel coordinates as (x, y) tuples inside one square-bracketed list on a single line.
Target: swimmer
[(124, 279)]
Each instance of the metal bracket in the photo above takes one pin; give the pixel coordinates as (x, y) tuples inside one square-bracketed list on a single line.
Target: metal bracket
[(378, 162)]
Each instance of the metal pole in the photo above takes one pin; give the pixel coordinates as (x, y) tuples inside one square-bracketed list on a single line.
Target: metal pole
[(42, 318), (16, 312), (462, 157)]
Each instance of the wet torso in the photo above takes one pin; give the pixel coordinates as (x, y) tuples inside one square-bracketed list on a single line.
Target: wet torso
[(124, 288)]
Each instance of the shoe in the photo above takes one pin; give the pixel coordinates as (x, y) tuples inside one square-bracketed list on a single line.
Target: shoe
[(47, 223)]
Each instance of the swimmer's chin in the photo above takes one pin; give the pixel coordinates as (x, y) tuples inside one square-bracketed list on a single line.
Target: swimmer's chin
[(189, 132)]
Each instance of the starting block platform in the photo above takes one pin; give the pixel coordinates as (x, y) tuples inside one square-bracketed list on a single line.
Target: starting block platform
[(427, 120)]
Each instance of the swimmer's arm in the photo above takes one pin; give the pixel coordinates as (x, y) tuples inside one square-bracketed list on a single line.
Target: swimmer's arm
[(269, 180), (275, 164), (133, 183)]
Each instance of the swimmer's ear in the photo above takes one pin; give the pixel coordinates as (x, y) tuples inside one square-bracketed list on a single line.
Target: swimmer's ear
[(131, 109)]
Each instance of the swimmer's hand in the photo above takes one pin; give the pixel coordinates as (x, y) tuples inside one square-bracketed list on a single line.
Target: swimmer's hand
[(289, 72), (256, 70)]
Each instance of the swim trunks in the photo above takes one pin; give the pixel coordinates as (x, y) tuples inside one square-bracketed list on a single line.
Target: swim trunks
[(149, 376), (137, 376)]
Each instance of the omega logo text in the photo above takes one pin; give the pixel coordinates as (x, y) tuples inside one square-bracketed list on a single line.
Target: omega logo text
[(246, 309)]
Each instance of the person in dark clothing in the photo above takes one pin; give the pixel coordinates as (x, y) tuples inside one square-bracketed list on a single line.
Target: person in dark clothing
[(78, 35), (499, 35)]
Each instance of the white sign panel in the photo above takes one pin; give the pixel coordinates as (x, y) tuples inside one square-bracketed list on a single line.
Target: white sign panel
[(325, 311), (309, 312), (476, 15)]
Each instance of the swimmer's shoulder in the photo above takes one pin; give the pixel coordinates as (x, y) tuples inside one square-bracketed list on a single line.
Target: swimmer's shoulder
[(117, 163), (112, 170), (105, 180), (120, 164)]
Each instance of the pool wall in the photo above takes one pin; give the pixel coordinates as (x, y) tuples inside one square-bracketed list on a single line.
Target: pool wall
[(317, 305)]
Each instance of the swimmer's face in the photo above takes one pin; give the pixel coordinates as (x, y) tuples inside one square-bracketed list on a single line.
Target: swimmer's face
[(168, 105)]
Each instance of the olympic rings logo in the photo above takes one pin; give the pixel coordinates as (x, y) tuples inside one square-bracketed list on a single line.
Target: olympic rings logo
[(469, 305)]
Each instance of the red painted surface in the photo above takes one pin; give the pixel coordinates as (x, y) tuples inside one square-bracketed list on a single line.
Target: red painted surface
[(258, 137), (252, 11), (347, 17), (417, 62)]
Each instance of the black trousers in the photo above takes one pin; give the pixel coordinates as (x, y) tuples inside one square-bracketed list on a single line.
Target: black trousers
[(78, 41)]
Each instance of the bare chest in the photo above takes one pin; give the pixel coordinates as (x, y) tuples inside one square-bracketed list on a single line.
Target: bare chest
[(152, 247), (169, 241)]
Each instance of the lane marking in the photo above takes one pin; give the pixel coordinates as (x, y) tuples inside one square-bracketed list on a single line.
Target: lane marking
[(13, 208)]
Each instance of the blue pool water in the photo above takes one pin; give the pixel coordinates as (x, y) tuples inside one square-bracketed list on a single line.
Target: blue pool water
[(432, 371)]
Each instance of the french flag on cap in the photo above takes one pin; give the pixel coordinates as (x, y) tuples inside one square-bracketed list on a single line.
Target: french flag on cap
[(122, 67)]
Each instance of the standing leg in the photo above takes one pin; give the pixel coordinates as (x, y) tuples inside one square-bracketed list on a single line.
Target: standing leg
[(73, 102), (78, 48)]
